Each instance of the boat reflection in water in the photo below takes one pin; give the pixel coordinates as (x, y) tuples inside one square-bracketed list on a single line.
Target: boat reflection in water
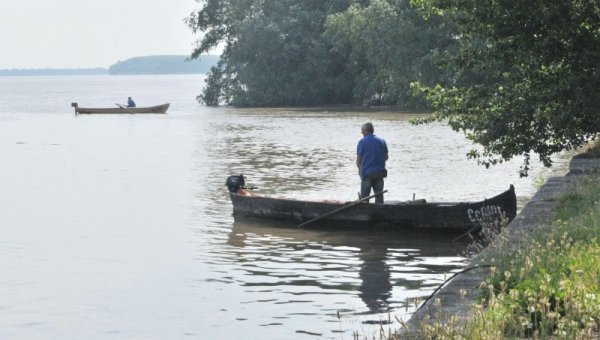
[(360, 272)]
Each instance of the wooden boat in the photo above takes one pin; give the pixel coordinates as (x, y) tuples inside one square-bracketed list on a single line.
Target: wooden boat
[(450, 216), (122, 109)]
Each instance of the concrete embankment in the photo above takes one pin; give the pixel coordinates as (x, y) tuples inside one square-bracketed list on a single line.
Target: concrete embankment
[(458, 295)]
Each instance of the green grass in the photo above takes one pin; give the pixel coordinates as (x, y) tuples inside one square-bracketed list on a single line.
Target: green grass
[(550, 286)]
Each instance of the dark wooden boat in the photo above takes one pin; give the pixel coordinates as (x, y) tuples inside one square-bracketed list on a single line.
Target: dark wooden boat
[(451, 216), (121, 109)]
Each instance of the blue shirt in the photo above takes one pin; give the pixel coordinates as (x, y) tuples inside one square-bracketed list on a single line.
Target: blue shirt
[(130, 103), (372, 151)]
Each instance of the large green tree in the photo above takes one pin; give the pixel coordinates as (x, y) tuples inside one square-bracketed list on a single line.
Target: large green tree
[(274, 52), (525, 78), (389, 44)]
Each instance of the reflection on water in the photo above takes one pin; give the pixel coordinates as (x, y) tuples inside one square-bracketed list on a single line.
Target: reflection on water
[(343, 265), (375, 287)]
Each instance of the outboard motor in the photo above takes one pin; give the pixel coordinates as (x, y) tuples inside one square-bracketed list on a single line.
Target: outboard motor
[(75, 106), (235, 182)]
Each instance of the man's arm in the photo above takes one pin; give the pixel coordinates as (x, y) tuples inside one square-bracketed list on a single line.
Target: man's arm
[(358, 163)]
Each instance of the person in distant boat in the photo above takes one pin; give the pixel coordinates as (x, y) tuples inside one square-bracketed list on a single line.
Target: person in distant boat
[(130, 102), (371, 155)]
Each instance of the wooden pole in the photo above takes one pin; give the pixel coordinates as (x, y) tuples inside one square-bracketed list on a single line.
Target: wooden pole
[(342, 208)]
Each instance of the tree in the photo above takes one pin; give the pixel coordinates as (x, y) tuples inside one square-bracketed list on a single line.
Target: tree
[(525, 78), (274, 52), (389, 45)]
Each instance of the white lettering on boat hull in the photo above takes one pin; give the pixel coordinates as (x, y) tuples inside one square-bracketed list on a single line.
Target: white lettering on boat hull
[(485, 214)]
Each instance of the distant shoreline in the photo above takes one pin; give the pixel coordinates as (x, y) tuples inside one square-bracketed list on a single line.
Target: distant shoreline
[(54, 72), (149, 65)]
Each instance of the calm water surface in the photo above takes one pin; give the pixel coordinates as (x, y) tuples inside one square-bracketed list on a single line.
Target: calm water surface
[(119, 226)]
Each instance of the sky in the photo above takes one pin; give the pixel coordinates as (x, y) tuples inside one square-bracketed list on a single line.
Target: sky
[(91, 33)]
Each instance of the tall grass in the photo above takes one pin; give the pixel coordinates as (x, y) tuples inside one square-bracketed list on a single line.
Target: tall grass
[(549, 287), (545, 287)]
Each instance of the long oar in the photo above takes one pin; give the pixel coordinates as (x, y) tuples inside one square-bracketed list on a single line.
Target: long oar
[(124, 107), (341, 208)]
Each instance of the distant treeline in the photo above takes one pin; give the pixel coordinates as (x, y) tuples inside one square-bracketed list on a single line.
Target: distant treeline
[(168, 64), (165, 64), (53, 72)]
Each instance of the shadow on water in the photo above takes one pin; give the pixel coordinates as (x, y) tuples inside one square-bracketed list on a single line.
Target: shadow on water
[(362, 262)]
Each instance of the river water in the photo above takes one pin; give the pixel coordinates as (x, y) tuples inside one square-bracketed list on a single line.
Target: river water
[(120, 226)]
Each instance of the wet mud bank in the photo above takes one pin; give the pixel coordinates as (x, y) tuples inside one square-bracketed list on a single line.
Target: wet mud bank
[(462, 292)]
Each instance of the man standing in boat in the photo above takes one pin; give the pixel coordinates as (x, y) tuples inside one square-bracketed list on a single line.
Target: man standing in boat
[(130, 102), (371, 154)]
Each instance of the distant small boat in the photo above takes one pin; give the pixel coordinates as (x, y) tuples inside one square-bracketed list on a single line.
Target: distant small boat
[(122, 109)]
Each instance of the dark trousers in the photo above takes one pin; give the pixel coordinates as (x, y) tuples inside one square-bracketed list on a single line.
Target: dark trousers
[(376, 183)]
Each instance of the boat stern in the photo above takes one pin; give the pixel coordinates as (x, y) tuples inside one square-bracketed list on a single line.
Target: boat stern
[(74, 105)]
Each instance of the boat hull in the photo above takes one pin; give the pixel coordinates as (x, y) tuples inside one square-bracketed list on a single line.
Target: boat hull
[(459, 216), (157, 109)]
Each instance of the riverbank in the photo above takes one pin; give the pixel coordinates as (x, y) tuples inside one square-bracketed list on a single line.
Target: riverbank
[(529, 280)]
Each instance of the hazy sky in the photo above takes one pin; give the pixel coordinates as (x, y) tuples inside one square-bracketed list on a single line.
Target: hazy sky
[(91, 33)]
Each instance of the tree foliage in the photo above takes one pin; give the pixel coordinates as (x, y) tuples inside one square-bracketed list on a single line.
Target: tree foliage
[(274, 52), (311, 52), (389, 45), (525, 77)]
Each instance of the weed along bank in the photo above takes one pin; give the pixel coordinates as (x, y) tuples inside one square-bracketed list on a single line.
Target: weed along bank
[(553, 240)]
